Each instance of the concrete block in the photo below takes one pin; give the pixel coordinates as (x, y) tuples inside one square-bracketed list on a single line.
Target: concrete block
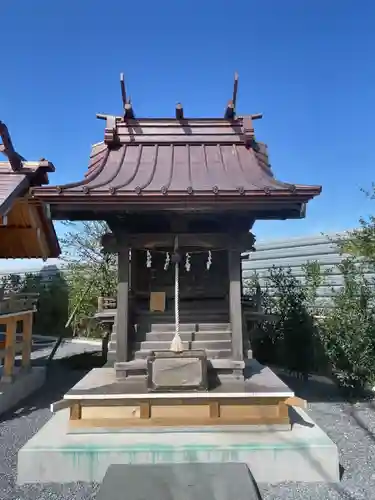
[(179, 481), (23, 384), (304, 453)]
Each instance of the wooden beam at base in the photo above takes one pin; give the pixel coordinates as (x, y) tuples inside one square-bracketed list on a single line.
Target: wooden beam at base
[(75, 412), (295, 401), (121, 423), (172, 412)]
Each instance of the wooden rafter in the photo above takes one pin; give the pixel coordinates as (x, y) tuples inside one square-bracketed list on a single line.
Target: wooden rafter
[(7, 148), (36, 224)]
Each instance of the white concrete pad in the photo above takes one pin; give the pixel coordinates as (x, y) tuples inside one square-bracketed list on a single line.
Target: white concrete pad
[(24, 384), (303, 454)]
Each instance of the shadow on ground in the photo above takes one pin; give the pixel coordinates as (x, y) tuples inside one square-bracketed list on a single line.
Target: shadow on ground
[(318, 389), (62, 375)]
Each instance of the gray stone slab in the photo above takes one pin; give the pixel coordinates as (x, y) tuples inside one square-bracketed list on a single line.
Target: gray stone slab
[(102, 382), (179, 482), (168, 371), (303, 454), (177, 372)]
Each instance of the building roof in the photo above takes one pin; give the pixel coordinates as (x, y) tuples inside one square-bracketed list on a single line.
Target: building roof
[(14, 184), (149, 160), (26, 230), (167, 163)]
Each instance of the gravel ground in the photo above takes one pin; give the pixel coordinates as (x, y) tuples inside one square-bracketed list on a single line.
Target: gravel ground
[(351, 426)]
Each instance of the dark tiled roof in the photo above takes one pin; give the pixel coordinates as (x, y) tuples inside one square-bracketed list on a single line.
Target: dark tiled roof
[(149, 158), (16, 183), (11, 185)]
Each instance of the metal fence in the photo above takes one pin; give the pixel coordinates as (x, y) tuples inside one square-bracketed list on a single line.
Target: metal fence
[(294, 253)]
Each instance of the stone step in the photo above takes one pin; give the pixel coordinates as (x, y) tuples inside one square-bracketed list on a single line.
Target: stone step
[(149, 345), (185, 317), (212, 327), (168, 336), (111, 356), (202, 335), (214, 344), (170, 327), (211, 354)]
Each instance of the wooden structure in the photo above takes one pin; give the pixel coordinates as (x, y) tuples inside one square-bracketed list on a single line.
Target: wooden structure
[(13, 310), (26, 230), (181, 411), (98, 401), (200, 182)]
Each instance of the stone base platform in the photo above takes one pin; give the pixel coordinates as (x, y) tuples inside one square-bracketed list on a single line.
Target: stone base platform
[(99, 401), (23, 384), (304, 453)]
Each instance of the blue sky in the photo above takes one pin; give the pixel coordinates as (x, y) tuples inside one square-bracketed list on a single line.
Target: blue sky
[(308, 66)]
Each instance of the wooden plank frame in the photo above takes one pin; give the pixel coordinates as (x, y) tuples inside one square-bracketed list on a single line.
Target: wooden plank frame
[(179, 412), (12, 347)]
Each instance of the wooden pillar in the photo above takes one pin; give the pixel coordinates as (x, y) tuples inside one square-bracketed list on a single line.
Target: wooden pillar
[(10, 339), (27, 328), (235, 308), (133, 269), (122, 315)]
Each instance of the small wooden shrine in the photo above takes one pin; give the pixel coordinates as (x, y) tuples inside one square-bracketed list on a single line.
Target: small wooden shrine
[(180, 196), (26, 230)]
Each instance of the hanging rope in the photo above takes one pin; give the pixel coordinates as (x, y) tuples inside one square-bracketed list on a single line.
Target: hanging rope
[(176, 345)]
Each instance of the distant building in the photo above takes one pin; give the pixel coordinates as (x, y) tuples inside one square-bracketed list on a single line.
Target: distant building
[(47, 272)]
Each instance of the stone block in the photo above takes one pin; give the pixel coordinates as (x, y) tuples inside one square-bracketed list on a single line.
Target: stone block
[(179, 481), (303, 454), (170, 371)]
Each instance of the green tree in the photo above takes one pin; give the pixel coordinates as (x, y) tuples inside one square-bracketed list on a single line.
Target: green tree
[(361, 241), (348, 330), (52, 310), (86, 263)]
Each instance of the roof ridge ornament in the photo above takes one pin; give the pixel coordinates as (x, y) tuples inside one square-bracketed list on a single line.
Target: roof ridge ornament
[(7, 148), (126, 103), (230, 112)]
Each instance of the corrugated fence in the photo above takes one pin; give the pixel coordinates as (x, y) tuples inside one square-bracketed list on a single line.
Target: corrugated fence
[(294, 253)]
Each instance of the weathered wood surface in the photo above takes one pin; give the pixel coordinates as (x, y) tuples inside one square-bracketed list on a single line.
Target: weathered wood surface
[(241, 241), (12, 345), (179, 412)]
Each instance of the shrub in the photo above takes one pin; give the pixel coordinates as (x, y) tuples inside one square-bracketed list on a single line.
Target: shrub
[(348, 329)]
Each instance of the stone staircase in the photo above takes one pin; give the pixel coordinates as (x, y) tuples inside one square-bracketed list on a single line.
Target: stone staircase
[(215, 338)]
